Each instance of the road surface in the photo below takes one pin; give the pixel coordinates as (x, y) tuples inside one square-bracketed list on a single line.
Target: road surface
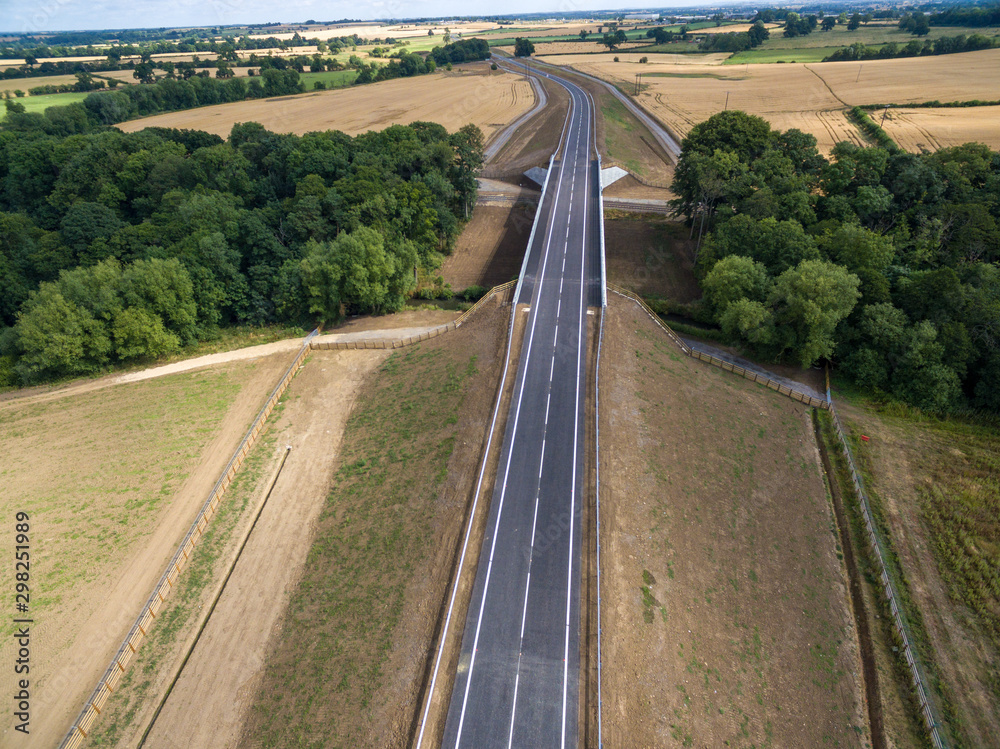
[(519, 671)]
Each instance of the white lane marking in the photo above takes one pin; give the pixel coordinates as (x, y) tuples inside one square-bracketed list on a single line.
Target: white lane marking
[(576, 433), (503, 490)]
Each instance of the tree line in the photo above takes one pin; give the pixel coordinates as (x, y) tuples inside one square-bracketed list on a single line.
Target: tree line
[(117, 247), (945, 45), (735, 41), (885, 263)]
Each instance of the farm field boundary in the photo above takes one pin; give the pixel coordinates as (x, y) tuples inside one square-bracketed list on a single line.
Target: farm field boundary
[(84, 722), (748, 374), (888, 588)]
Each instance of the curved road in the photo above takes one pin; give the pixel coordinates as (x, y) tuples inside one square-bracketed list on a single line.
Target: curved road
[(519, 671)]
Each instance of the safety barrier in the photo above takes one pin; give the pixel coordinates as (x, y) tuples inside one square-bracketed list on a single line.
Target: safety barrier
[(597, 506), (715, 361), (912, 660), (82, 726), (600, 222), (503, 290), (637, 206)]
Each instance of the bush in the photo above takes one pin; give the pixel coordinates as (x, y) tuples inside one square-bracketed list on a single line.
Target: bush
[(643, 59), (474, 293)]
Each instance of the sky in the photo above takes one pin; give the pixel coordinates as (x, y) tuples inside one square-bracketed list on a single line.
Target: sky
[(27, 16)]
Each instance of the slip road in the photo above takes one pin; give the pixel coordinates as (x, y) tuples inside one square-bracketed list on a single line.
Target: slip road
[(519, 670)]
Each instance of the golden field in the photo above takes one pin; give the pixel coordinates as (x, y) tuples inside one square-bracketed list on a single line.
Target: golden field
[(489, 100), (931, 129), (814, 97)]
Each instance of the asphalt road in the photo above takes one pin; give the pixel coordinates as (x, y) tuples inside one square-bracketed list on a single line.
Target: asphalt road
[(519, 671)]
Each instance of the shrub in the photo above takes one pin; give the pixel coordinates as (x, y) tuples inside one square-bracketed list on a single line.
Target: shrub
[(474, 293)]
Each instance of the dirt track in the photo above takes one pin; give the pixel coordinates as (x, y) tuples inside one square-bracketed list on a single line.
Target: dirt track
[(209, 703)]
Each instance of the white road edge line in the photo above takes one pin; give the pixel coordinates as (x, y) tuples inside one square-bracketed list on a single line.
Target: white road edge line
[(517, 414)]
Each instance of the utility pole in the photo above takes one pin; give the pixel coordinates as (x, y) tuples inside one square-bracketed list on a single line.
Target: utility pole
[(883, 115), (727, 101), (859, 73)]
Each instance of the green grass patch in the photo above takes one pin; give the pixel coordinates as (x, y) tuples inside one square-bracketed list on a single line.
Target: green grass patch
[(41, 103), (761, 55), (98, 469), (329, 78)]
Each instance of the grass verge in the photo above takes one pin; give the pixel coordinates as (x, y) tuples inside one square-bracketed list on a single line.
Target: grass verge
[(328, 678), (179, 613)]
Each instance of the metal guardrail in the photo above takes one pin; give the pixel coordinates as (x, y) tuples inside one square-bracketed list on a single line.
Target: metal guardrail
[(597, 502), (600, 219), (534, 228), (888, 588), (637, 206), (715, 361), (84, 722)]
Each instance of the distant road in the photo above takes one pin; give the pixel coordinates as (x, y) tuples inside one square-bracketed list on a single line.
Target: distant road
[(519, 671)]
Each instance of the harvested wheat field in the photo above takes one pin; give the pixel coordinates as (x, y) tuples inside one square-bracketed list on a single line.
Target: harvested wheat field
[(588, 48), (921, 130), (681, 96), (812, 98), (726, 617), (962, 77), (109, 505), (450, 99)]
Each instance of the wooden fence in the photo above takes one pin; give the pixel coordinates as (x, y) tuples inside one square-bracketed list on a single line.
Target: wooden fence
[(715, 361), (84, 723), (888, 588), (503, 292)]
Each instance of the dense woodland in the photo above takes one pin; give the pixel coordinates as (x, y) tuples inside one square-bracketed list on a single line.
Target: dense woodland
[(117, 247), (882, 261)]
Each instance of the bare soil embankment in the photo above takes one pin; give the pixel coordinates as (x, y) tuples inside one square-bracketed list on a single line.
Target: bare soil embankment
[(726, 616)]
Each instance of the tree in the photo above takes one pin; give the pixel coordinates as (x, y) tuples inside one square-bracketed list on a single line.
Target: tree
[(523, 47), (854, 23), (144, 73), (583, 35), (468, 144), (858, 248), (617, 39), (829, 23), (809, 301), (751, 322), (778, 245), (733, 278), (356, 270)]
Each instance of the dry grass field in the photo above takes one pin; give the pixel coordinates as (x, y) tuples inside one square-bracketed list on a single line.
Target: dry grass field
[(451, 99), (930, 129), (814, 97), (726, 620), (111, 479)]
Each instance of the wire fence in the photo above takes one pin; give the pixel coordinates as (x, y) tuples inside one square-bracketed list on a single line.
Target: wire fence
[(84, 722), (888, 587)]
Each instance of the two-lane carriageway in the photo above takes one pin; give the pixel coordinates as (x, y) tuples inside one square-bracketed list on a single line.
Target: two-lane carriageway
[(518, 680)]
